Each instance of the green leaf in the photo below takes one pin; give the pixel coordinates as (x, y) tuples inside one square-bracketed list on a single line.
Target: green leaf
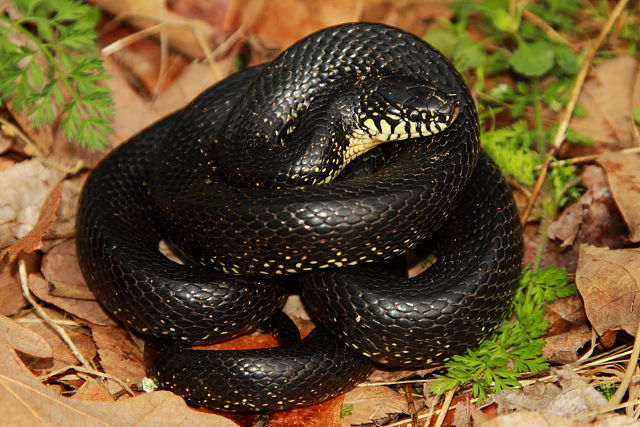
[(635, 113), (65, 56), (468, 54), (566, 59), (532, 59), (510, 148), (515, 346), (346, 410)]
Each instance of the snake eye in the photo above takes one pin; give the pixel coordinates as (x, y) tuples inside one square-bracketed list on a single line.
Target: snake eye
[(414, 115)]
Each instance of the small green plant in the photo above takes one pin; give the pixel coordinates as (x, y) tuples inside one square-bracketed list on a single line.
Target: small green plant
[(346, 410), (50, 66), (516, 57), (607, 389), (507, 47), (516, 346)]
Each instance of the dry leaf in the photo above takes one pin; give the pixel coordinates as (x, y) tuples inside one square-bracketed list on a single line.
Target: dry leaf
[(574, 398), (624, 181), (609, 283), (60, 267), (88, 310), (32, 241), (568, 331), (325, 414), (608, 121), (62, 356), (289, 20), (531, 419), (91, 390), (563, 348), (24, 401), (10, 292), (181, 32), (64, 226), (24, 339), (25, 187), (371, 403), (593, 219), (412, 16), (119, 355), (142, 59)]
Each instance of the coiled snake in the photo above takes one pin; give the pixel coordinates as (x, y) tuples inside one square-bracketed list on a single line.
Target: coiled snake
[(284, 171)]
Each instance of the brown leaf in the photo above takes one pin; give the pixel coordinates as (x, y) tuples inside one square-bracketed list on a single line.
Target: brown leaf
[(289, 20), (608, 121), (568, 331), (33, 239), (181, 32), (410, 15), (65, 225), (565, 314), (325, 414), (87, 310), (24, 339), (90, 390), (563, 348), (624, 181), (11, 298), (62, 356), (25, 187), (119, 355), (609, 283), (60, 267), (574, 398), (24, 401), (531, 419), (593, 219), (371, 403)]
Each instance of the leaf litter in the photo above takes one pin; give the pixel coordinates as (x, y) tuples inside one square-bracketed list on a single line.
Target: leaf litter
[(606, 276)]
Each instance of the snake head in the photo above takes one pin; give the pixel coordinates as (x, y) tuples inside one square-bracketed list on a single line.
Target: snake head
[(399, 108)]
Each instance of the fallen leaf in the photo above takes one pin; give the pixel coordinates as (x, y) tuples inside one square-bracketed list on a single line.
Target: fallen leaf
[(10, 292), (565, 314), (32, 241), (531, 419), (119, 355), (64, 226), (25, 187), (62, 355), (61, 269), (592, 219), (289, 20), (371, 403), (325, 414), (413, 16), (624, 181), (568, 331), (90, 311), (572, 399), (90, 390), (563, 348), (182, 33), (24, 339), (193, 80), (142, 59), (25, 401), (609, 283), (608, 121)]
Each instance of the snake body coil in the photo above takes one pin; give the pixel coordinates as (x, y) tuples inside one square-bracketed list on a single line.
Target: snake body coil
[(228, 181)]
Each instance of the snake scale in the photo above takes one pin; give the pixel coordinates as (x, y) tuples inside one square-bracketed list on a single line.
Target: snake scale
[(350, 148)]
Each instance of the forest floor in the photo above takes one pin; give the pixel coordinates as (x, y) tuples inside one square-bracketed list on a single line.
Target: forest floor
[(558, 89)]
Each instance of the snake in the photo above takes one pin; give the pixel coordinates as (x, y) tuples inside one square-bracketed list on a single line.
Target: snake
[(355, 145)]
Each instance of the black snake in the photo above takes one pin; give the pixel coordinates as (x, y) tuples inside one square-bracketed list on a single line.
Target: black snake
[(228, 181)]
